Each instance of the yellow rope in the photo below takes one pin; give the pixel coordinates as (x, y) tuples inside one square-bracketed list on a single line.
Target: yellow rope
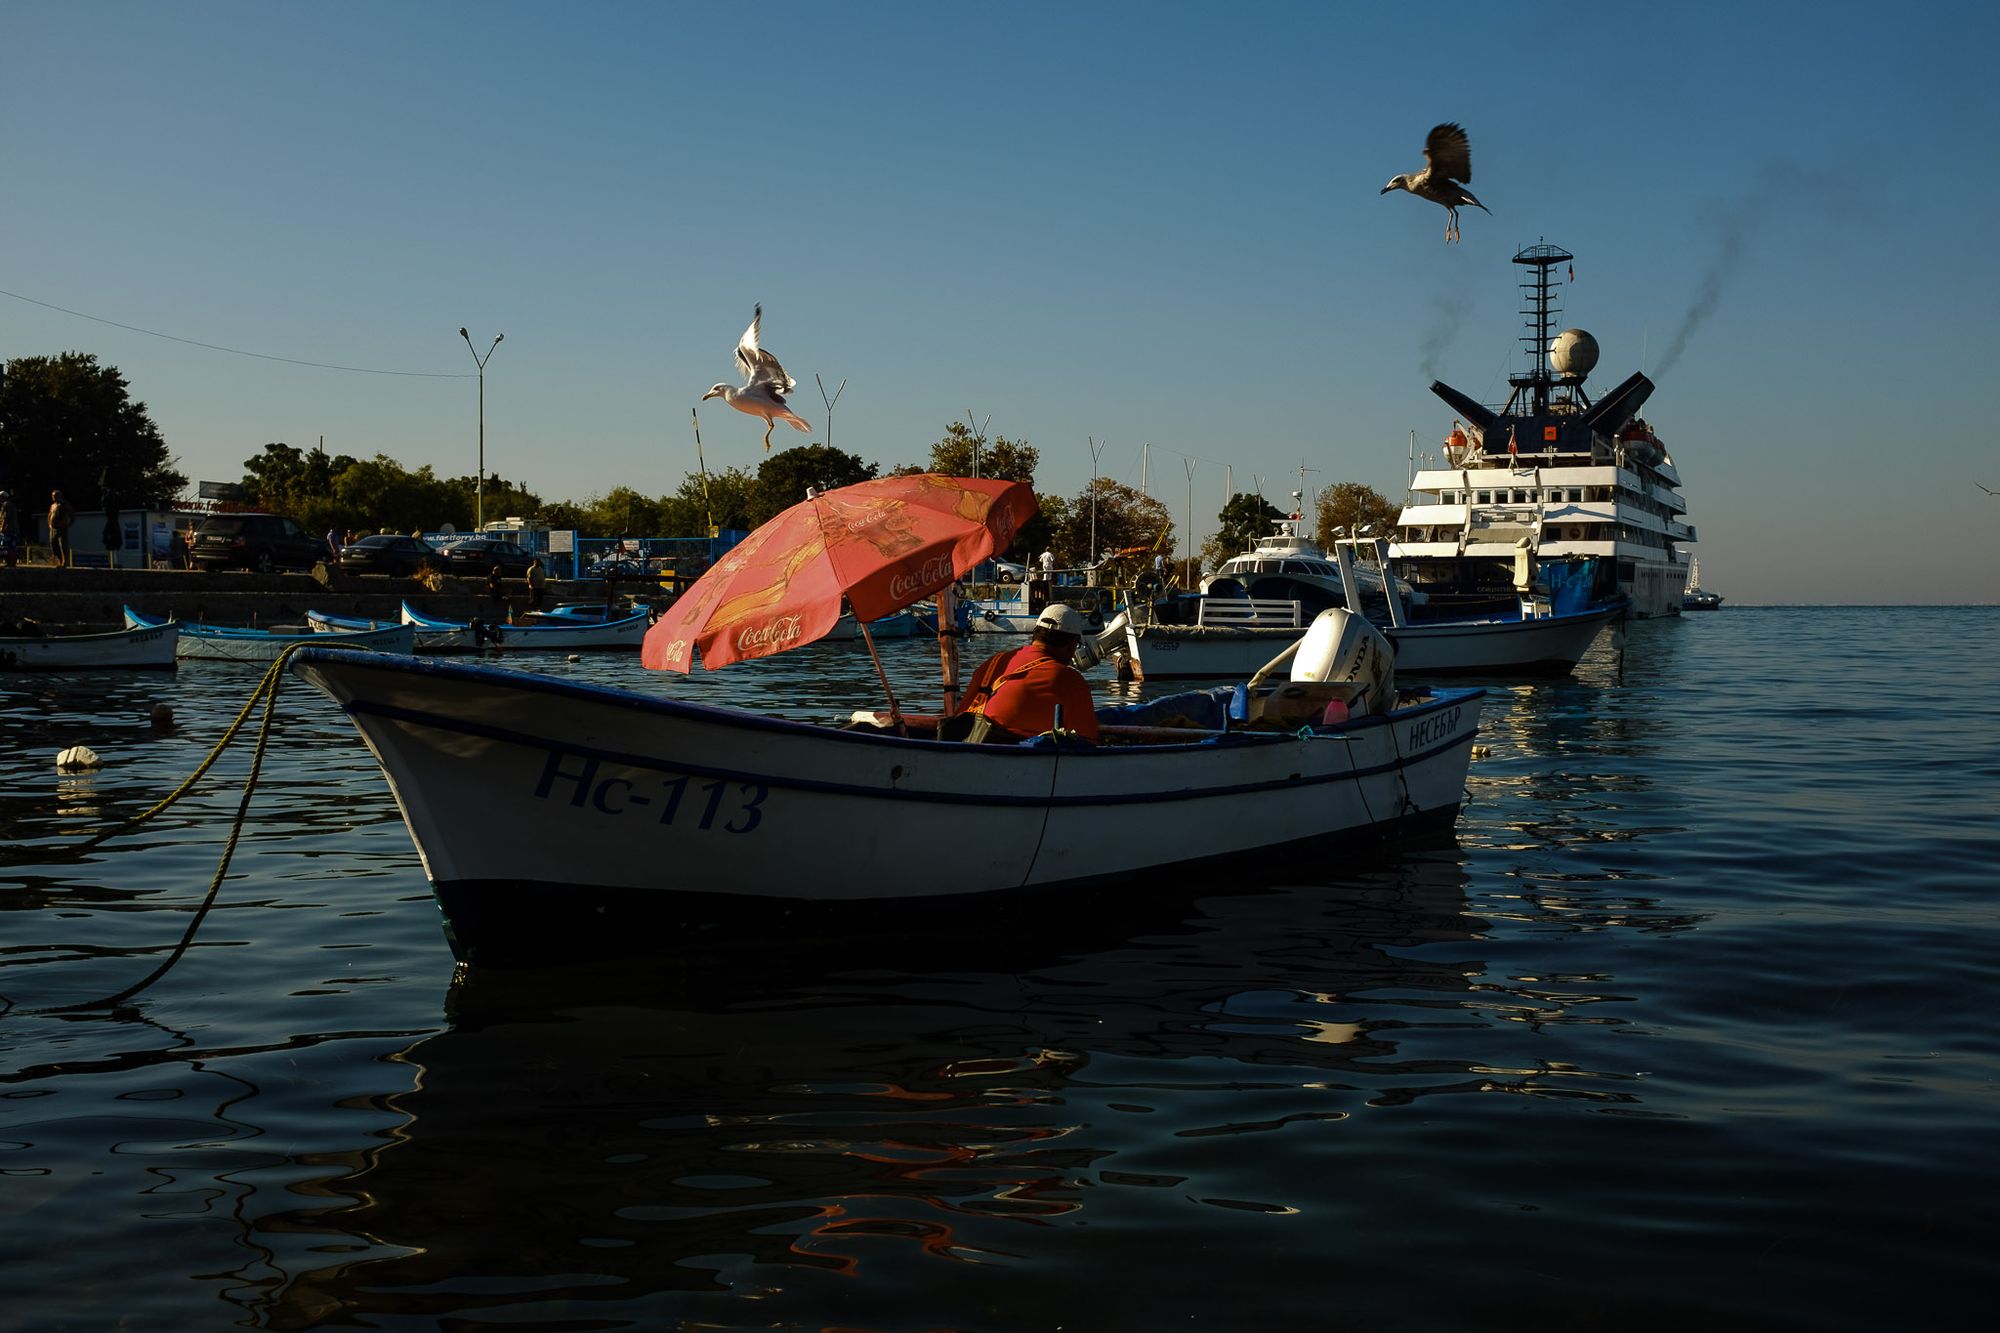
[(267, 691)]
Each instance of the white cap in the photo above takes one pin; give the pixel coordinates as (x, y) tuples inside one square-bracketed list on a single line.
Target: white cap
[(1062, 619)]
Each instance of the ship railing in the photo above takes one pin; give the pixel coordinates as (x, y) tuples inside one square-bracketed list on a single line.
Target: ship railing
[(1249, 613)]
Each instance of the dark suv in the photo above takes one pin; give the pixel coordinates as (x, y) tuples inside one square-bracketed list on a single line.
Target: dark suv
[(255, 541), (474, 556)]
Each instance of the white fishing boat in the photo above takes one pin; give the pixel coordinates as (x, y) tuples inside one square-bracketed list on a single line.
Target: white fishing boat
[(584, 613), (1695, 597), (121, 649), (1011, 608), (226, 644), (1231, 636), (453, 640), (1586, 488), (556, 818), (542, 635)]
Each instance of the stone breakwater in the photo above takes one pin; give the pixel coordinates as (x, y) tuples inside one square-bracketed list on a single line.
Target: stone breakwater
[(82, 600)]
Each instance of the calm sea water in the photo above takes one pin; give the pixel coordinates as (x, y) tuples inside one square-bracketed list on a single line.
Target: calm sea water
[(1691, 1024)]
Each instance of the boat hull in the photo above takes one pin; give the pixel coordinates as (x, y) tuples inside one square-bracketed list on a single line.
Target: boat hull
[(1538, 646), (554, 815), (615, 635), (143, 648), (221, 644), (426, 640)]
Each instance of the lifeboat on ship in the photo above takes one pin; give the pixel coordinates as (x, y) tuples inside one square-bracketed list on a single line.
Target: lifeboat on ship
[(1639, 441)]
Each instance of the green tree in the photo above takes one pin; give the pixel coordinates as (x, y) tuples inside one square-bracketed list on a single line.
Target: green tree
[(782, 478), (378, 494), (1127, 520), (282, 479), (957, 453), (1351, 505), (1244, 520), (68, 424), (726, 495)]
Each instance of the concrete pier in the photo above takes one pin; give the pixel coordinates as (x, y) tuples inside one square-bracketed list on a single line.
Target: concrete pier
[(83, 600)]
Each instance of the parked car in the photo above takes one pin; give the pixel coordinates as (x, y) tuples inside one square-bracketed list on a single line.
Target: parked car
[(388, 553), (255, 541), (997, 570), (474, 556)]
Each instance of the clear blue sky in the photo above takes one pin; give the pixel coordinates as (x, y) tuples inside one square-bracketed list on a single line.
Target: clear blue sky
[(1149, 224)]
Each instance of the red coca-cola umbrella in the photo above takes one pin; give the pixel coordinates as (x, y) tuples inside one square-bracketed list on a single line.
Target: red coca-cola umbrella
[(878, 545)]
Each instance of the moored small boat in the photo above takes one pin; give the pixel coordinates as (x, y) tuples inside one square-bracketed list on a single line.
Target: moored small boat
[(454, 640), (557, 818), (625, 633), (147, 647), (227, 644), (899, 626), (1231, 636)]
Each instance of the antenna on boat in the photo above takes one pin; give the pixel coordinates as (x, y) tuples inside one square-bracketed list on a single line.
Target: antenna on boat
[(706, 511)]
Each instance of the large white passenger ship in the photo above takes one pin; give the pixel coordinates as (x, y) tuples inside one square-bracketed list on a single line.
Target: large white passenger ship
[(1552, 488)]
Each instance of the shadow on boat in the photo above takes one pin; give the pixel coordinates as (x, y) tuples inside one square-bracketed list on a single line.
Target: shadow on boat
[(745, 1119)]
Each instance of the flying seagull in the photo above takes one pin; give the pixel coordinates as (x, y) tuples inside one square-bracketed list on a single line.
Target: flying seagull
[(1447, 164), (765, 384), (1984, 487)]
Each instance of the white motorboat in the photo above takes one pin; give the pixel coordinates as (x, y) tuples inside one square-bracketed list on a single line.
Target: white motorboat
[(542, 635), (1586, 488), (556, 818), (228, 644), (151, 646), (1231, 636), (1695, 597), (1287, 566)]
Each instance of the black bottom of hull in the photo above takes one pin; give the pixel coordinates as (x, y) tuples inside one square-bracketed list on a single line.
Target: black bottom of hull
[(511, 923)]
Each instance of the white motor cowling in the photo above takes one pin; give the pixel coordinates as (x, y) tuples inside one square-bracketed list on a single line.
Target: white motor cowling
[(1094, 648), (1341, 646)]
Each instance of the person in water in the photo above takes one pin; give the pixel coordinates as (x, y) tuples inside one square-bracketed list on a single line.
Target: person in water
[(1017, 691)]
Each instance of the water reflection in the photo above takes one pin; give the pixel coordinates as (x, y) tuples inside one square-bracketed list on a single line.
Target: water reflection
[(757, 1119)]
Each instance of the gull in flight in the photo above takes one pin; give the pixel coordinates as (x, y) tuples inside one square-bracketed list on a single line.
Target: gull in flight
[(1447, 164), (765, 384)]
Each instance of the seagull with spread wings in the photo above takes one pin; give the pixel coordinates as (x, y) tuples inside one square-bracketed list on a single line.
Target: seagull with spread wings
[(1447, 165), (765, 384)]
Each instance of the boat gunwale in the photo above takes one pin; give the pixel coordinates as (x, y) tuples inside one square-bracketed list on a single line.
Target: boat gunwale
[(534, 683)]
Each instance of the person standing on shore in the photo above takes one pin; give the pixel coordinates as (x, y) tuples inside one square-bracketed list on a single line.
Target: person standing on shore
[(535, 580), (10, 529), (59, 520)]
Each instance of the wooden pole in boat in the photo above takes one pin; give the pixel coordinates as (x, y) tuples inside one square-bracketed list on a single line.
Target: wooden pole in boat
[(947, 629), (895, 713)]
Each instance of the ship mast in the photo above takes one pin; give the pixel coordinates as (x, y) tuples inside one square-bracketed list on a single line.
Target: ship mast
[(1542, 309)]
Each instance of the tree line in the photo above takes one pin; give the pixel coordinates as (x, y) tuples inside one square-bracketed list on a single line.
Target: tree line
[(68, 423)]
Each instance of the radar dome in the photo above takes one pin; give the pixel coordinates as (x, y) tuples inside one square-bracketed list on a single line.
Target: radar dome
[(1573, 353)]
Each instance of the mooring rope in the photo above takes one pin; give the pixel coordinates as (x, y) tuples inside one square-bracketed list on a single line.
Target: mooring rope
[(267, 692)]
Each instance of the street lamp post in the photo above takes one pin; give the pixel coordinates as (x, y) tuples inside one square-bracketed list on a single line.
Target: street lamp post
[(479, 484)]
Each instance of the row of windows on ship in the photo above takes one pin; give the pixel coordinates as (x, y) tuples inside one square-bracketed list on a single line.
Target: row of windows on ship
[(1551, 532), (1529, 495)]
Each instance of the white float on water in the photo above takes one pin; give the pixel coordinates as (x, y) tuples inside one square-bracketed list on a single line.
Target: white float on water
[(77, 758)]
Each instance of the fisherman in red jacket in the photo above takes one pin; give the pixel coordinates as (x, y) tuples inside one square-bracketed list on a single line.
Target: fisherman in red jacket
[(1017, 691)]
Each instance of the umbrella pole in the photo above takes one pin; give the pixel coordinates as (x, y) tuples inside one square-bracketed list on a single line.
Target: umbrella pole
[(947, 628), (895, 713)]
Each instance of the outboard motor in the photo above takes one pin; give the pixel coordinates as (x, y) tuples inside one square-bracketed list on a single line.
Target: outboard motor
[(1340, 645), (1094, 648)]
